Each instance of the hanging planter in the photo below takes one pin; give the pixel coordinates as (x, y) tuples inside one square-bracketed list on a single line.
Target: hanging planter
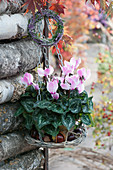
[(37, 34), (73, 138), (57, 118), (55, 108)]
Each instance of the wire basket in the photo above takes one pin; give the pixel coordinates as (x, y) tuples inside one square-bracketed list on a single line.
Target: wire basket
[(79, 137)]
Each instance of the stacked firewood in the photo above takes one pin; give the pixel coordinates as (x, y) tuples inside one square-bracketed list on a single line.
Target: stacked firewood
[(17, 55)]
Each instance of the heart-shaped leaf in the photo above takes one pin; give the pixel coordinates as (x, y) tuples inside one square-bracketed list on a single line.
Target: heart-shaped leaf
[(51, 130), (90, 103), (42, 104), (75, 105), (19, 111), (56, 121), (85, 119), (28, 105), (40, 121), (28, 121), (68, 121)]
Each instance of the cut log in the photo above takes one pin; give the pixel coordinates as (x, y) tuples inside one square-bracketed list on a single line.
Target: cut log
[(13, 144), (28, 161), (13, 26), (8, 122), (11, 89), (18, 56), (12, 6), (6, 91)]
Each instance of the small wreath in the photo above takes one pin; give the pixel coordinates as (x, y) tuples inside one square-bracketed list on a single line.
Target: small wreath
[(79, 137), (46, 41)]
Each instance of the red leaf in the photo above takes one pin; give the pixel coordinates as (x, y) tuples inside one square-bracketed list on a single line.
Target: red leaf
[(67, 39), (57, 7), (33, 4)]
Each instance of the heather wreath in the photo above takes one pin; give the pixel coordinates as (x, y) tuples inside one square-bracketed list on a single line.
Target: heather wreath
[(64, 102)]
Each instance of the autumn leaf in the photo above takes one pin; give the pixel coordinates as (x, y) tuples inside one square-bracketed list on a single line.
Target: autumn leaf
[(67, 39), (57, 7), (33, 4)]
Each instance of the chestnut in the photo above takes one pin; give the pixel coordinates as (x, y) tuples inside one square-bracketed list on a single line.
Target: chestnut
[(34, 133), (71, 137), (47, 139), (59, 138), (37, 137), (78, 130)]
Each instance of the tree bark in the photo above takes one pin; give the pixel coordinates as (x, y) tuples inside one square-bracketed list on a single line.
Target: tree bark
[(13, 26), (6, 91), (18, 56), (29, 161), (7, 120), (13, 144), (11, 7), (11, 89)]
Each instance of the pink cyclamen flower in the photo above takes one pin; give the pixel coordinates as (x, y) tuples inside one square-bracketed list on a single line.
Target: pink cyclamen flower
[(73, 81), (73, 62), (46, 72), (83, 73), (27, 79), (70, 66), (77, 63), (70, 82), (67, 70), (36, 86), (65, 86), (55, 96), (52, 86), (80, 87)]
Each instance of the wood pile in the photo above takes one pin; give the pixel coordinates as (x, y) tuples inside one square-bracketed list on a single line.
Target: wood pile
[(18, 54)]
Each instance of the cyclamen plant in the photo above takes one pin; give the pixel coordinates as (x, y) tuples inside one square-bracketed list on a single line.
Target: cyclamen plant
[(64, 102)]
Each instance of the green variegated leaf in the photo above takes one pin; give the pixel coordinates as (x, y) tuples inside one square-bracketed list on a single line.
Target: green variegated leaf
[(68, 121), (90, 103), (28, 105), (85, 109), (27, 94), (56, 121), (75, 105), (40, 121), (84, 97), (42, 104), (51, 130), (28, 121), (19, 111), (85, 119), (64, 103)]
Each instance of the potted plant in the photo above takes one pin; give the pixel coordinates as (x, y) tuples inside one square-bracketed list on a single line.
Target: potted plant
[(63, 107)]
